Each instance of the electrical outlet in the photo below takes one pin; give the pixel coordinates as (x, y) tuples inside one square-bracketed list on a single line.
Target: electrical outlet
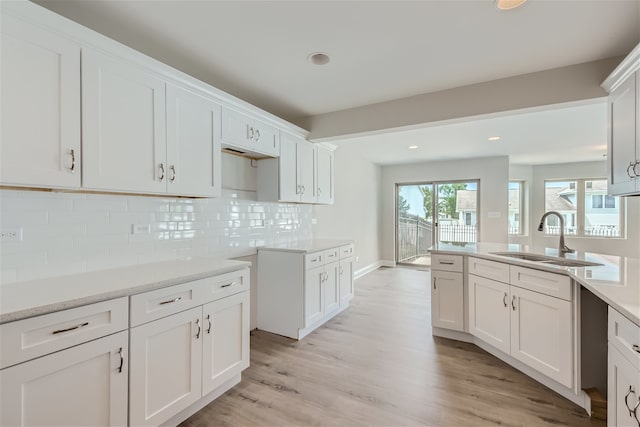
[(11, 235), (140, 228), (314, 221)]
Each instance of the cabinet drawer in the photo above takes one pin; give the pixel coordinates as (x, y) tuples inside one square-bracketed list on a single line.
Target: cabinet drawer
[(625, 336), (314, 259), (489, 269), (156, 304), (331, 255), (446, 262), (346, 251), (30, 338), (555, 285), (221, 286)]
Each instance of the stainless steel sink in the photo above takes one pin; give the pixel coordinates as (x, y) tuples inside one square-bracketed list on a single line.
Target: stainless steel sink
[(545, 259)]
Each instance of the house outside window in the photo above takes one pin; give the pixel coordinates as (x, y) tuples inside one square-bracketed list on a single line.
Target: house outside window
[(516, 207), (586, 208)]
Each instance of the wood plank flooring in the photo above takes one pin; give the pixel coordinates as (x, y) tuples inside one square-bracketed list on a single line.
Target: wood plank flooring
[(376, 364)]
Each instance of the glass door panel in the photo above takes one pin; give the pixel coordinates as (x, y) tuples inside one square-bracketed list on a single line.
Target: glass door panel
[(457, 206), (414, 223)]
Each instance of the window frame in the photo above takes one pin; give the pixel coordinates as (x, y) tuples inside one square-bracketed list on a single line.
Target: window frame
[(521, 208), (580, 212)]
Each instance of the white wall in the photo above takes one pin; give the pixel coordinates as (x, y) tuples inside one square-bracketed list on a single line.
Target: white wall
[(493, 173), (629, 246), (355, 213), (523, 173), (67, 233)]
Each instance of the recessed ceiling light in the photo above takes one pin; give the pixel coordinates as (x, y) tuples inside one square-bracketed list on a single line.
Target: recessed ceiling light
[(319, 58), (509, 4), (494, 138), (412, 147)]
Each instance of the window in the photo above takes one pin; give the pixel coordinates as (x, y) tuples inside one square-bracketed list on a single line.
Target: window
[(516, 207), (585, 207)]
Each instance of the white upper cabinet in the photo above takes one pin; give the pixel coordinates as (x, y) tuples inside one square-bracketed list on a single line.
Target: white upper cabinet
[(124, 130), (244, 133), (305, 167), (623, 142), (323, 175), (193, 144), (40, 111), (288, 168)]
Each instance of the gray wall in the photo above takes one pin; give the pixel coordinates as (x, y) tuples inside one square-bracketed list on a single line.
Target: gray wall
[(355, 213), (493, 173)]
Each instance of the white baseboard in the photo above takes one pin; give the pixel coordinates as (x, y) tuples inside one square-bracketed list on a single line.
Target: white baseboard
[(366, 269), (387, 263)]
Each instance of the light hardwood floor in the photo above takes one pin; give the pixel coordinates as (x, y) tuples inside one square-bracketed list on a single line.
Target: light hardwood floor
[(376, 364)]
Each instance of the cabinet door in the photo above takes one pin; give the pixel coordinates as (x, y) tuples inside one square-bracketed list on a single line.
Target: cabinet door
[(331, 287), (541, 334), (489, 306), (85, 385), (623, 392), (267, 139), (346, 281), (313, 302), (166, 367), (288, 182), (237, 129), (123, 126), (40, 107), (193, 144), (305, 169), (623, 119), (226, 340), (447, 300), (324, 175)]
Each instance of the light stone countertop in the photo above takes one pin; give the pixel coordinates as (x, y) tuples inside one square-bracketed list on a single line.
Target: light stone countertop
[(32, 298), (307, 246), (616, 281)]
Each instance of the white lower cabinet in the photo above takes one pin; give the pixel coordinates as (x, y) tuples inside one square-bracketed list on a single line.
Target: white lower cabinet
[(299, 291), (447, 298), (623, 398), (178, 359), (85, 385), (533, 327)]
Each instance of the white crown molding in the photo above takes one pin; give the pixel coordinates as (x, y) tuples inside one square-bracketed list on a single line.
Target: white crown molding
[(627, 67)]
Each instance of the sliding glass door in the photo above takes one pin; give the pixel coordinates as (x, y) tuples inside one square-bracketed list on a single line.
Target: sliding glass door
[(434, 212)]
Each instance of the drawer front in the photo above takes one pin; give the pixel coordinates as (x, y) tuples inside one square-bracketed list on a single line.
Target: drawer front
[(34, 337), (555, 285), (216, 287), (446, 262), (156, 304), (314, 259), (332, 255), (346, 251), (489, 269), (625, 336)]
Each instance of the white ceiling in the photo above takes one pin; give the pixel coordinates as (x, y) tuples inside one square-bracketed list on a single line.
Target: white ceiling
[(384, 50), (562, 135)]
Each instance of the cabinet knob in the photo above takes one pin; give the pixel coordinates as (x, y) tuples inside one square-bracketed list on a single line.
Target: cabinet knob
[(250, 132), (630, 167), (257, 135), (635, 165)]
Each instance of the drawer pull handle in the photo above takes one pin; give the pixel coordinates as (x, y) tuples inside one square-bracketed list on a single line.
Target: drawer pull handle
[(72, 168), (171, 301), (513, 303), (504, 300), (446, 262), (121, 360), (199, 328), (626, 400), (60, 331), (228, 284), (209, 320), (636, 348)]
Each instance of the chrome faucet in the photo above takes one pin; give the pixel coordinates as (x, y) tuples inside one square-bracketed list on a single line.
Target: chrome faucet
[(562, 248)]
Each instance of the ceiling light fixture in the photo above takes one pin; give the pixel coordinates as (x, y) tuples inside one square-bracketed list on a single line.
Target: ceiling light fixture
[(412, 147), (494, 138), (319, 58), (509, 4)]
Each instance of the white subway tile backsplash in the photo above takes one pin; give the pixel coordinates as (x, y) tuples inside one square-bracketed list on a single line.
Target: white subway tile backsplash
[(66, 233)]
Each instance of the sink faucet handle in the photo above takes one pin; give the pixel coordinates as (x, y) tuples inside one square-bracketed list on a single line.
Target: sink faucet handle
[(567, 250)]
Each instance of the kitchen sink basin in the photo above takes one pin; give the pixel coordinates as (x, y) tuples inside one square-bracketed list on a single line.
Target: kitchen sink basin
[(545, 259)]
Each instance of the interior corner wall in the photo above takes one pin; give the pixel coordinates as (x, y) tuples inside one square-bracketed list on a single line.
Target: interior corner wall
[(355, 213), (523, 173), (493, 173), (629, 246)]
